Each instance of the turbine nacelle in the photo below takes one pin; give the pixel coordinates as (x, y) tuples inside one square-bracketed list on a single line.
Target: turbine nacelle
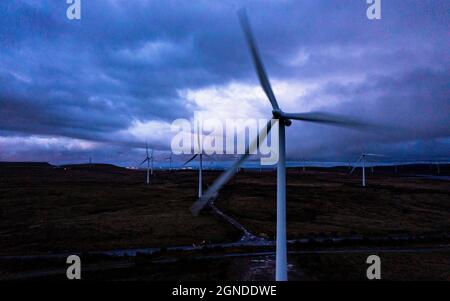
[(280, 115)]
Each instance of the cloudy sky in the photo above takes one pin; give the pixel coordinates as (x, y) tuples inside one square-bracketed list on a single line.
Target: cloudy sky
[(102, 86)]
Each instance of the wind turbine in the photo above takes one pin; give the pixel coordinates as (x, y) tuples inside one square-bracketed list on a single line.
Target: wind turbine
[(284, 119), (149, 160), (200, 168), (362, 159)]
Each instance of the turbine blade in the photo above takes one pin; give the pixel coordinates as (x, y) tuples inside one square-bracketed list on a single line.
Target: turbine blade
[(330, 119), (357, 161), (146, 149), (213, 190), (262, 75), (146, 159), (193, 157), (353, 169), (375, 155)]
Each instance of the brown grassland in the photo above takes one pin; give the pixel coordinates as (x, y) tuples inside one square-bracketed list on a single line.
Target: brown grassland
[(98, 207)]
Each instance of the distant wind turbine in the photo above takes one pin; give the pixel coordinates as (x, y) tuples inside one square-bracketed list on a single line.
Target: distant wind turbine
[(362, 159), (200, 168), (149, 160), (285, 119)]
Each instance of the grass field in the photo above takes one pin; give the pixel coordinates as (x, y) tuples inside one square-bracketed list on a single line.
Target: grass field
[(100, 207), (81, 208)]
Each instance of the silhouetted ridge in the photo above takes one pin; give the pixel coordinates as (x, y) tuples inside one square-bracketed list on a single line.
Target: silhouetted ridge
[(93, 167), (25, 165)]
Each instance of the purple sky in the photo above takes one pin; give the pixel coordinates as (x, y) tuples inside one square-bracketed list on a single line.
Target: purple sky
[(102, 86)]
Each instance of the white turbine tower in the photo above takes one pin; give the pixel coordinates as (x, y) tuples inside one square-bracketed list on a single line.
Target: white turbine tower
[(284, 119), (200, 168), (362, 159), (149, 160)]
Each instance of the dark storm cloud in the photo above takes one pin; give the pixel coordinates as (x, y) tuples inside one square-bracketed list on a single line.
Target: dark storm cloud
[(128, 60), (412, 109)]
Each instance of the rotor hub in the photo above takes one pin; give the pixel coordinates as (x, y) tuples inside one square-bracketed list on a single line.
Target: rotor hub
[(278, 114)]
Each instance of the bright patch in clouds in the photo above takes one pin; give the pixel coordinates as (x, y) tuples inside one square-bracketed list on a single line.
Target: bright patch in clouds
[(149, 52), (151, 132), (234, 100), (17, 148), (239, 100), (47, 143)]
